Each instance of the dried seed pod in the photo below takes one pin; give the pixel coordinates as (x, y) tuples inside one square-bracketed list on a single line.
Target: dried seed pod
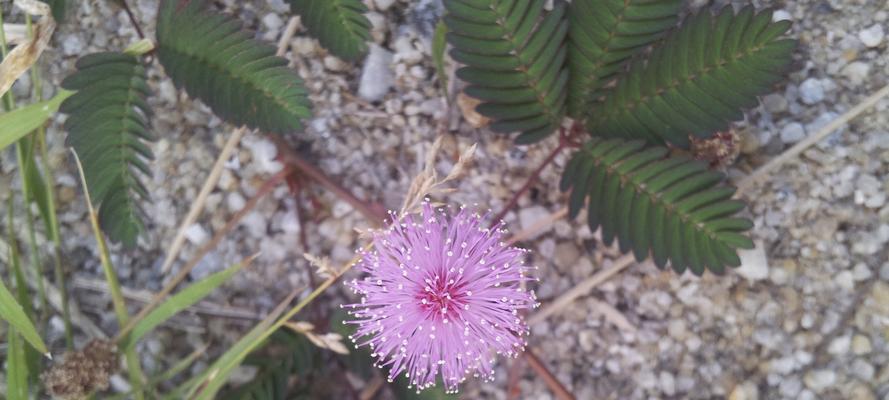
[(82, 372)]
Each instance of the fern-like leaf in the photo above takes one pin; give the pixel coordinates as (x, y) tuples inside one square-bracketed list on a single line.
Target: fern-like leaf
[(604, 35), (216, 61), (340, 25), (698, 81), (671, 206), (108, 127), (514, 54)]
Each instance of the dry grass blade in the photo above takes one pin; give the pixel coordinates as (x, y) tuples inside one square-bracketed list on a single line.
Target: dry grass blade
[(798, 148), (426, 183), (26, 54), (198, 205)]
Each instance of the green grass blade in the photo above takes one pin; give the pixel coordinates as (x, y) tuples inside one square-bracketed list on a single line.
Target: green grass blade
[(181, 301), (14, 125), (12, 312), (16, 367), (209, 383), (439, 45)]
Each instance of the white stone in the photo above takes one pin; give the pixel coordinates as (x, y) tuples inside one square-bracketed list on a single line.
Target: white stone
[(811, 91), (861, 345), (256, 224), (196, 234), (235, 201), (872, 36), (668, 383), (781, 15), (377, 76), (290, 223), (272, 22), (845, 280), (72, 44), (856, 72), (383, 5), (840, 345), (861, 272), (754, 263), (793, 132), (820, 379), (264, 153)]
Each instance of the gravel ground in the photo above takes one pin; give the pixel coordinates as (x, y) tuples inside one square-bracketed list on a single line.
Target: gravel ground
[(806, 317)]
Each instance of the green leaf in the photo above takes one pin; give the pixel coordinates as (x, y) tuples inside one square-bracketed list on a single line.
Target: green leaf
[(14, 125), (216, 61), (514, 54), (340, 25), (180, 301), (698, 80), (59, 9), (108, 127), (12, 312), (672, 207), (604, 35), (38, 191)]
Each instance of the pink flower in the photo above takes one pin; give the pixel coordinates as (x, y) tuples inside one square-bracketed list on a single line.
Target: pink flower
[(441, 295)]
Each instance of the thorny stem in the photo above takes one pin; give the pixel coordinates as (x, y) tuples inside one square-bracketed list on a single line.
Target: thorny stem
[(265, 189)]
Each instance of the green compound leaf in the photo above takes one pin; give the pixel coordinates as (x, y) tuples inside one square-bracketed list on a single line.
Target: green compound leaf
[(514, 53), (698, 81), (340, 25), (672, 207), (216, 61), (108, 127), (604, 35)]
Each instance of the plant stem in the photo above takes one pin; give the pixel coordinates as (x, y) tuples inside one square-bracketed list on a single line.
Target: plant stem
[(132, 18), (9, 104), (52, 219), (372, 212), (527, 186), (117, 300), (551, 381)]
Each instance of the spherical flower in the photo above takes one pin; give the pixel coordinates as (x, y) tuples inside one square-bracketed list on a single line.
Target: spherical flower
[(441, 295)]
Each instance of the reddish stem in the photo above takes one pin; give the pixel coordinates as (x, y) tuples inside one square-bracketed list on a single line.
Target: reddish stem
[(132, 18), (554, 385), (527, 186), (373, 212)]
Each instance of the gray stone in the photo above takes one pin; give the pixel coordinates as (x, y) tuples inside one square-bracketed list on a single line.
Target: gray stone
[(775, 103)]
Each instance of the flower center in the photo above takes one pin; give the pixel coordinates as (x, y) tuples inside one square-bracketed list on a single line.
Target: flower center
[(439, 298)]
